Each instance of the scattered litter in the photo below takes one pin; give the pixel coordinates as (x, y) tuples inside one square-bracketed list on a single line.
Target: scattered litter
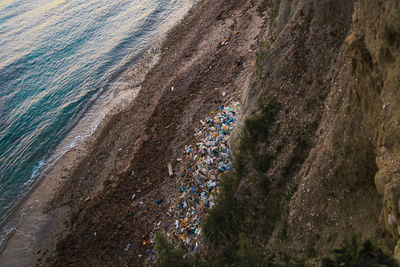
[(127, 247), (226, 42), (198, 178), (170, 172), (236, 32), (200, 175), (95, 234)]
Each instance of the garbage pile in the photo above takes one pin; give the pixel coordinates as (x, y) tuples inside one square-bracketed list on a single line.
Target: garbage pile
[(199, 177)]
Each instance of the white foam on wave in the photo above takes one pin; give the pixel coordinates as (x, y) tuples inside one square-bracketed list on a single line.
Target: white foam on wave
[(35, 172), (115, 98)]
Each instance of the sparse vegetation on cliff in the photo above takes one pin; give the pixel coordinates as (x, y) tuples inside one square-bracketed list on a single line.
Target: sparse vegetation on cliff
[(354, 252)]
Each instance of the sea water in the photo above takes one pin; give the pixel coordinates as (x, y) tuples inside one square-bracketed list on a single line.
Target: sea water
[(57, 57)]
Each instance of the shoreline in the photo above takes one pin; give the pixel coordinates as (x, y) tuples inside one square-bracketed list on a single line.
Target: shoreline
[(106, 103), (31, 207), (96, 66), (204, 74), (120, 89)]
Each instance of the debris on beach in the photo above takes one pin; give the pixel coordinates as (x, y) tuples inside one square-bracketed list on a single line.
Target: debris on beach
[(199, 177), (127, 247), (196, 178), (170, 172)]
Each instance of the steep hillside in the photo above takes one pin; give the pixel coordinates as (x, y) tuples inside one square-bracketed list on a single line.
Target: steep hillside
[(318, 153)]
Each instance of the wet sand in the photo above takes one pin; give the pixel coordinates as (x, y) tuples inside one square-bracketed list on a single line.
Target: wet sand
[(90, 189)]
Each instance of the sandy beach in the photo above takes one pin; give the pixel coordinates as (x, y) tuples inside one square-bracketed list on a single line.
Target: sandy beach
[(204, 63)]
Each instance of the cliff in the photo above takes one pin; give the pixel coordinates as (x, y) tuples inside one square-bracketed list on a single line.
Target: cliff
[(319, 143)]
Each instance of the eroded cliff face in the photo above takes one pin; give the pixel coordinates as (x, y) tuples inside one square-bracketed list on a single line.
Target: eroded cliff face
[(333, 66), (378, 27)]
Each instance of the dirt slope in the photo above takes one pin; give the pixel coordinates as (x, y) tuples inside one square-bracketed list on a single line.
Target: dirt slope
[(206, 64)]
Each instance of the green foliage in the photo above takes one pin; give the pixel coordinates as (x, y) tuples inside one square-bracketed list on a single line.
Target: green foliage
[(354, 253), (241, 207), (274, 12), (169, 256), (223, 223), (246, 254), (254, 133), (262, 55), (265, 46)]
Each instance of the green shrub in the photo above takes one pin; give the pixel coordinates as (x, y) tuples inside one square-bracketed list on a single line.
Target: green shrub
[(169, 256), (274, 12), (246, 254), (250, 254), (255, 132), (224, 221), (241, 206), (354, 253)]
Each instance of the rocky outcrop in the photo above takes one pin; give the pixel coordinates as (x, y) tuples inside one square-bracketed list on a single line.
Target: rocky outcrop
[(333, 66), (380, 48)]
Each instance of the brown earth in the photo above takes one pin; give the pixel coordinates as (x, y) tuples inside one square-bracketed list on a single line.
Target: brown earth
[(332, 67), (151, 133)]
